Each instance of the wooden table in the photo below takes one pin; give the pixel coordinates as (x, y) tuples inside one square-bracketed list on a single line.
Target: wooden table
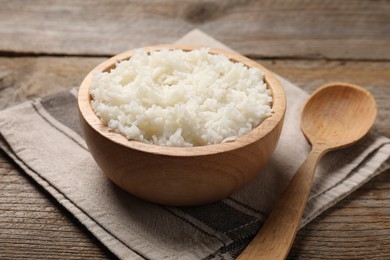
[(48, 46)]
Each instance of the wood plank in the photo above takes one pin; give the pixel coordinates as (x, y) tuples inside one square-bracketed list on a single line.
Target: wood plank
[(309, 75), (33, 226), (311, 29), (28, 78), (355, 228)]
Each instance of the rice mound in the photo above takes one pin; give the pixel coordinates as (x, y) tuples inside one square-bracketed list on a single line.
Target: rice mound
[(179, 98)]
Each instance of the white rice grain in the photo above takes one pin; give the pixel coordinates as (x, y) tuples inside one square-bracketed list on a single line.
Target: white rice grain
[(178, 98)]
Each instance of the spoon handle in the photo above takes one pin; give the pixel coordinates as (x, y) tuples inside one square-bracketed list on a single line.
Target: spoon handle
[(275, 239)]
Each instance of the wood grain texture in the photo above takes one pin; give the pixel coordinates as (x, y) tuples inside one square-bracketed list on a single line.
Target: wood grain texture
[(32, 226), (27, 78), (355, 228), (266, 28), (358, 227)]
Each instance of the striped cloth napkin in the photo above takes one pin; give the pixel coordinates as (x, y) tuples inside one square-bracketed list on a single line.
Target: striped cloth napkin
[(44, 138)]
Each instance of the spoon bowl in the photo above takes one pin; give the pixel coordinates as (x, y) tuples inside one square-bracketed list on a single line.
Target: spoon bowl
[(335, 116), (338, 114)]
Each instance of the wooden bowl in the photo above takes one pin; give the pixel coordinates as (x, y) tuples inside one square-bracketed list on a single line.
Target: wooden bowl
[(181, 175)]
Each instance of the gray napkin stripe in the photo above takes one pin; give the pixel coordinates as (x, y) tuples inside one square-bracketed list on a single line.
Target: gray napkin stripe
[(38, 108), (224, 219), (245, 208), (236, 224), (63, 107), (200, 226)]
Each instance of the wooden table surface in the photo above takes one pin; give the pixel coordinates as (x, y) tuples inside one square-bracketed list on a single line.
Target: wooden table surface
[(49, 46)]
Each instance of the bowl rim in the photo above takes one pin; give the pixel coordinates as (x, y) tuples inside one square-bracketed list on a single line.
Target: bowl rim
[(263, 129)]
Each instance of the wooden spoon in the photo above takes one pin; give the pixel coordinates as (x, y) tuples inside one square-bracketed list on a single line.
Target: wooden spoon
[(335, 116)]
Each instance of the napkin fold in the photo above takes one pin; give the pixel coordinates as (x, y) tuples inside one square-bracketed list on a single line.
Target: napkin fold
[(45, 139)]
